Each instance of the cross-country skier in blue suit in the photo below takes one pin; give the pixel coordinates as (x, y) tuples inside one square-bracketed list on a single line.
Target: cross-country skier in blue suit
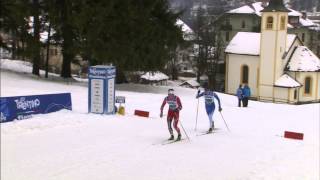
[(209, 103)]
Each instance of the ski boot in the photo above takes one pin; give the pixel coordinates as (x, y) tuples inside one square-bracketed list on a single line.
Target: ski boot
[(179, 137), (210, 130), (171, 137)]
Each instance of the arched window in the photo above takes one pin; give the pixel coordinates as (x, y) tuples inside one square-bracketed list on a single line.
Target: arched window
[(283, 23), (269, 22), (307, 85), (244, 74)]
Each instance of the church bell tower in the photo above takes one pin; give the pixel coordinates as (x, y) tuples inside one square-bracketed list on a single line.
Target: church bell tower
[(274, 20)]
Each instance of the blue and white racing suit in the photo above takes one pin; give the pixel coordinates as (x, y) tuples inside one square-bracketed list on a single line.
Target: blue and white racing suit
[(209, 97)]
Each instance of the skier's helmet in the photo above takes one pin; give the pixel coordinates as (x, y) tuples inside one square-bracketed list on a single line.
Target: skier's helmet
[(170, 91)]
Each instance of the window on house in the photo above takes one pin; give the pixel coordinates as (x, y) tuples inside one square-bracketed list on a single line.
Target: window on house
[(227, 36), (283, 23), (307, 85), (243, 24), (302, 37), (269, 22), (245, 74), (295, 94)]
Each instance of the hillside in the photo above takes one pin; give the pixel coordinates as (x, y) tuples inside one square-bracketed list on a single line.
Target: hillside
[(81, 146)]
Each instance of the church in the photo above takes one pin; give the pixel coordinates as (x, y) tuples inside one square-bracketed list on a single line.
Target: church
[(275, 65)]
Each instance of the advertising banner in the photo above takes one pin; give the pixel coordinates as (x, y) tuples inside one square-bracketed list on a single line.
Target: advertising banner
[(22, 107)]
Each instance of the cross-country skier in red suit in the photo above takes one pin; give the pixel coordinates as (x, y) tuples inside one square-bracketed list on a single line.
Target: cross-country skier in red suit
[(173, 112)]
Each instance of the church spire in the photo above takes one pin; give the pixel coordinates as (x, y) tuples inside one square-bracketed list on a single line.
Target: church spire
[(275, 6)]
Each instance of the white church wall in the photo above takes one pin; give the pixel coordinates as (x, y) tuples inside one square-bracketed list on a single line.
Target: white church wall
[(281, 94), (314, 95), (234, 64)]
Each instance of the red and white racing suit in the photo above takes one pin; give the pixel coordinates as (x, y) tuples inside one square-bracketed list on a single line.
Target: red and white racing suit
[(173, 111)]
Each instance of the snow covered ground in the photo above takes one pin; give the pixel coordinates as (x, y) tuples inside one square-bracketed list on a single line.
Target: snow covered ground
[(75, 145)]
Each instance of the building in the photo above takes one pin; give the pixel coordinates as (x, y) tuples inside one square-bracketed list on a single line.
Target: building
[(192, 83), (184, 57), (154, 78), (276, 65), (248, 19)]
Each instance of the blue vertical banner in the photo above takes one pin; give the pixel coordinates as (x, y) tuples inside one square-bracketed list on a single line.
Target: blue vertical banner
[(101, 89), (23, 107)]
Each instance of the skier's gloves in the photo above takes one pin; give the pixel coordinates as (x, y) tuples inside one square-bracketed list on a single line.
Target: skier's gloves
[(220, 109), (161, 114), (199, 91), (176, 110)]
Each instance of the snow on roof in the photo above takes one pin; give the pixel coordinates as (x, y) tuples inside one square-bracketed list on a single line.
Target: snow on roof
[(286, 81), (294, 13), (242, 10), (290, 40), (306, 22), (154, 76), (244, 43), (249, 43), (303, 59), (192, 82), (204, 77), (256, 8), (188, 33), (184, 27)]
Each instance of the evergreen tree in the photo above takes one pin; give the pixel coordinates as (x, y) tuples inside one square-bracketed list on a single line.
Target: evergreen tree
[(131, 34), (36, 46)]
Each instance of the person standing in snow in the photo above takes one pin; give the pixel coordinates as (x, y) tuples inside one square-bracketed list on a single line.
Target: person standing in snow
[(173, 113), (246, 94), (209, 104), (239, 95)]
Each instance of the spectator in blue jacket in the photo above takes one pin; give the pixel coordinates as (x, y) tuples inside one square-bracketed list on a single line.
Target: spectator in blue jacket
[(239, 95), (246, 94)]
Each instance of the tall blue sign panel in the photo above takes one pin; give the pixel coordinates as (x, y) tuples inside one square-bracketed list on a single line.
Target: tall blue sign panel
[(23, 107), (101, 89)]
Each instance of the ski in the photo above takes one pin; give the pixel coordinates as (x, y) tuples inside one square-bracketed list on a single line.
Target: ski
[(166, 142), (205, 133), (173, 141)]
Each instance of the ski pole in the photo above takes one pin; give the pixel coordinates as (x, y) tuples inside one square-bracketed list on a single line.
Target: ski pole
[(195, 129), (225, 122), (184, 131)]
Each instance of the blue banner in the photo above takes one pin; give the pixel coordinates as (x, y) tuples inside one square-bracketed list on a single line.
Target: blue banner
[(22, 107)]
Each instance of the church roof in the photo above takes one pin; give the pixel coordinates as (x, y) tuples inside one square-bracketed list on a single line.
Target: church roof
[(303, 60), (248, 43), (287, 82), (275, 6)]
